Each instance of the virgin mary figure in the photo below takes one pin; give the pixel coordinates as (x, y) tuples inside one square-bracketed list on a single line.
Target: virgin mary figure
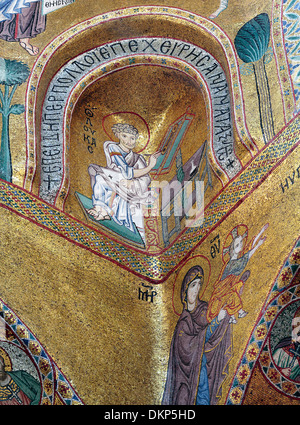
[(200, 350)]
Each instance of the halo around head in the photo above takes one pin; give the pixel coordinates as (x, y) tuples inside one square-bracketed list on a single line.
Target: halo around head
[(239, 230), (7, 360), (297, 314), (130, 118), (197, 260)]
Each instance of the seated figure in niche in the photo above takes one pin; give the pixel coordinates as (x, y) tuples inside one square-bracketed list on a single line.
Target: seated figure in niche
[(121, 188)]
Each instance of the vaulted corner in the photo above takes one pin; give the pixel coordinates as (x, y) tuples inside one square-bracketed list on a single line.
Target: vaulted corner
[(180, 93), (149, 220)]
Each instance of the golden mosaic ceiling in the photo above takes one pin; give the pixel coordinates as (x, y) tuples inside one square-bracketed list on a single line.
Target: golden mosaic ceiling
[(218, 110)]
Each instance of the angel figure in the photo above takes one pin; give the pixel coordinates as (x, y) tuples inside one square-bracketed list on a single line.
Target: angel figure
[(228, 287)]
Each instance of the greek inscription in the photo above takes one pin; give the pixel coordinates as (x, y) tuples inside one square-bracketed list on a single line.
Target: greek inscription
[(290, 180), (57, 3), (148, 294), (52, 133), (215, 246), (89, 133)]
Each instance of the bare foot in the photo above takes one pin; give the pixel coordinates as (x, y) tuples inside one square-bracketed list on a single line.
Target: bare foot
[(213, 15), (217, 12), (98, 213), (32, 50)]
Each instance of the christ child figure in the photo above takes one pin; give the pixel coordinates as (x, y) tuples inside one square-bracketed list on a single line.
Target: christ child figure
[(229, 286)]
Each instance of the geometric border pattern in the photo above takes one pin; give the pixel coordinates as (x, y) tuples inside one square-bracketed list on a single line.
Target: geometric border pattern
[(190, 19), (126, 62), (279, 48), (267, 366), (155, 267), (54, 383), (280, 295)]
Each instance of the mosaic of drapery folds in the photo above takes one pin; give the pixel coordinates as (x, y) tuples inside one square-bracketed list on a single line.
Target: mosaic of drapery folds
[(218, 99)]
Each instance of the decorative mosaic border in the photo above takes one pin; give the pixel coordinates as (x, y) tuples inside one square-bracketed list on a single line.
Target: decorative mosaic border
[(62, 185), (266, 363), (287, 91), (54, 383), (189, 18), (291, 35), (122, 63), (280, 295), (155, 267)]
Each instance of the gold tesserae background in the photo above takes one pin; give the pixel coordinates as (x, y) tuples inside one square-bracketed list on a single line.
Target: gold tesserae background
[(102, 313)]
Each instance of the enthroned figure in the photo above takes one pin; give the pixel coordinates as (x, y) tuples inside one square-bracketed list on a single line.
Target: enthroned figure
[(121, 188)]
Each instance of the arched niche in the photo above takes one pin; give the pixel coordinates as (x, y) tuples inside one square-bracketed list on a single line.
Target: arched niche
[(196, 60)]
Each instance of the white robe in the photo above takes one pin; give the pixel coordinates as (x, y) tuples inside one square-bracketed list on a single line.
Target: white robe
[(10, 7), (122, 204)]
